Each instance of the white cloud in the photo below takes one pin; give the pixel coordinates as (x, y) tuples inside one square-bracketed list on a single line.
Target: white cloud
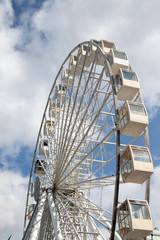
[(45, 38), (155, 157), (13, 194), (25, 81), (6, 14), (155, 196), (67, 23), (31, 54)]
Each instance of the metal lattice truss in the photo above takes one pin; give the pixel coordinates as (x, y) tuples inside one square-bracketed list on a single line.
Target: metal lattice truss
[(67, 215)]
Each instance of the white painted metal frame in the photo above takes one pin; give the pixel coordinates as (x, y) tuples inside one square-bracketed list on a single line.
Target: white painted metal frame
[(83, 147)]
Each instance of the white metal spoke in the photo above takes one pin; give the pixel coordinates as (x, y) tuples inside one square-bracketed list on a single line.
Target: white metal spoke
[(87, 155)]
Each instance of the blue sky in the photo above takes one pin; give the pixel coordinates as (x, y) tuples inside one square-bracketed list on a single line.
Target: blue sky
[(35, 37)]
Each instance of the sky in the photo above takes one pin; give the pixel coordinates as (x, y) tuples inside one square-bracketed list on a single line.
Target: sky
[(35, 38)]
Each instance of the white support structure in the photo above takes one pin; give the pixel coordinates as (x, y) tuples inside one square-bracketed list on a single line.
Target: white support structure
[(54, 217), (96, 213), (32, 232), (37, 221), (80, 147)]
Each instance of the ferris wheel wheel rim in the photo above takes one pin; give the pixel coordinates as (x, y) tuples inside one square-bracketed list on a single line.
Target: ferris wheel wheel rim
[(107, 70), (43, 116)]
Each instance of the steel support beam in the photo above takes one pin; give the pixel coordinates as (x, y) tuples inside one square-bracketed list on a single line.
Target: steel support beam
[(32, 233), (54, 217)]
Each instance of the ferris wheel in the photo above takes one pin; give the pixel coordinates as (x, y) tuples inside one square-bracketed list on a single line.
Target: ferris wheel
[(93, 137)]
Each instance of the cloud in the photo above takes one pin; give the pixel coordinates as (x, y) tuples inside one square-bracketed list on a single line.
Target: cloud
[(25, 80), (31, 54), (155, 196), (6, 14), (66, 23), (155, 157), (13, 193)]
